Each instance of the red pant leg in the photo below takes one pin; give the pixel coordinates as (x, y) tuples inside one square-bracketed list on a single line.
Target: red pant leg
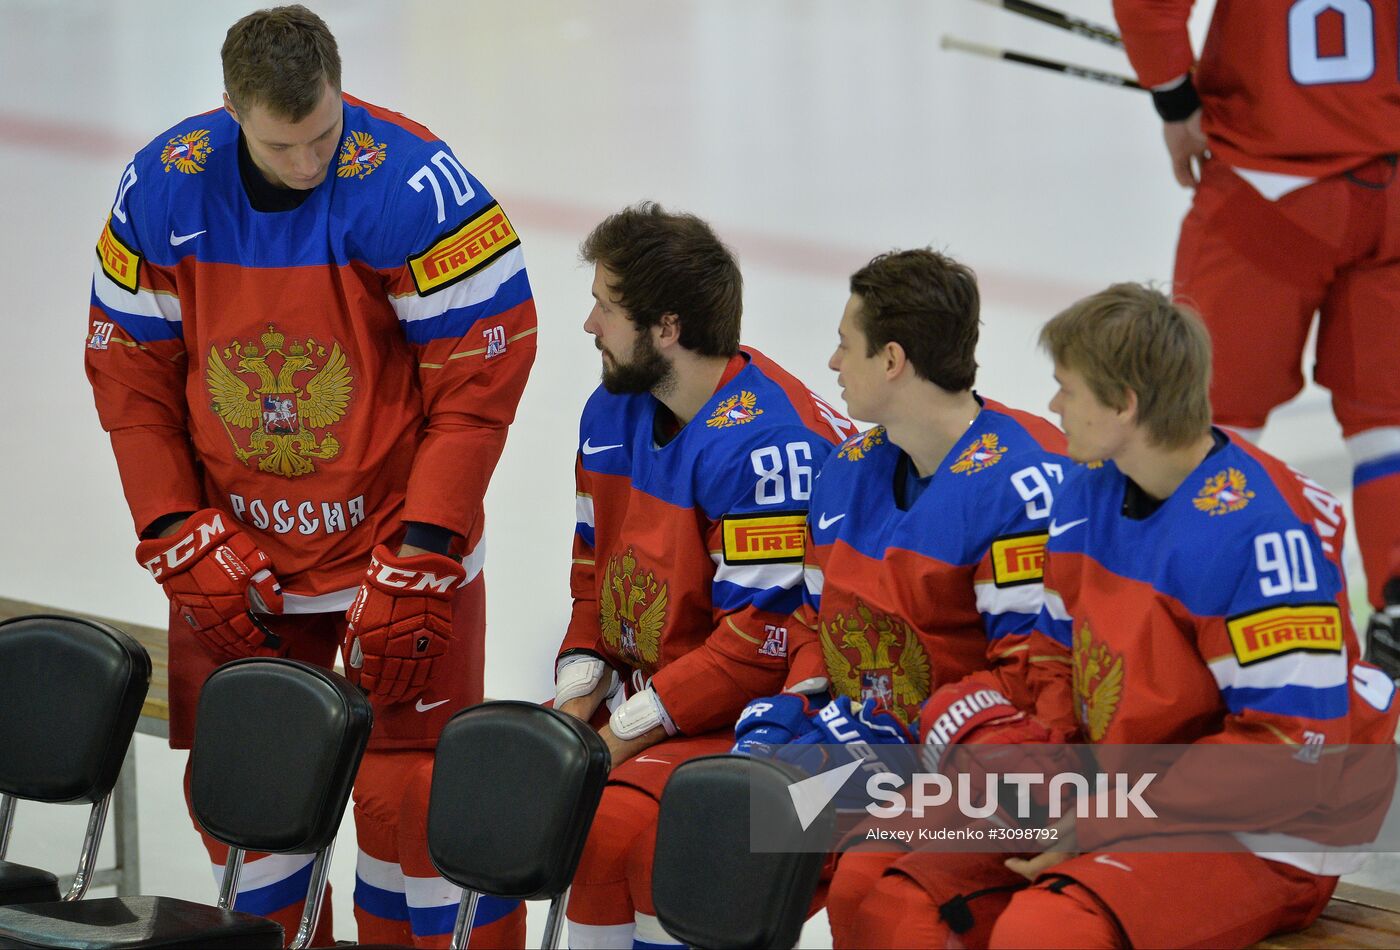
[(857, 874), (601, 912)]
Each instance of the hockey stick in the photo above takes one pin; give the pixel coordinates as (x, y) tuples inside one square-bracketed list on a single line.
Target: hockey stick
[(1059, 20), (1069, 69)]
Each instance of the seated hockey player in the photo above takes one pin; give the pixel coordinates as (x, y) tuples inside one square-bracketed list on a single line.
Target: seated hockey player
[(1197, 582), (695, 463), (925, 533)]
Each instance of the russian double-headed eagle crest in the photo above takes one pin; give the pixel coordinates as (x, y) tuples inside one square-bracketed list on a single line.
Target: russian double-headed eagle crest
[(360, 154), (858, 447), (735, 411), (188, 152), (632, 611), (984, 452), (1098, 683), (1223, 493), (870, 655), (284, 416)]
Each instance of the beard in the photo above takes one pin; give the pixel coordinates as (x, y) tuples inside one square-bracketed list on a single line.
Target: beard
[(647, 371)]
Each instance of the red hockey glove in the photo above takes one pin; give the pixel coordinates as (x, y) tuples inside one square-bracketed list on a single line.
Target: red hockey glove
[(213, 573), (400, 623), (972, 712)]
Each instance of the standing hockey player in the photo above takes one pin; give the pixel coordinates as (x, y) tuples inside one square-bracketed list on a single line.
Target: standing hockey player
[(1235, 630), (1296, 212), (925, 534), (310, 329), (696, 459)]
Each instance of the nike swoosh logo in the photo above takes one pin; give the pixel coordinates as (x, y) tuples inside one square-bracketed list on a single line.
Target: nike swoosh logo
[(647, 758), (1058, 529), (590, 449), (1105, 859), (424, 707), (824, 522), (176, 241)]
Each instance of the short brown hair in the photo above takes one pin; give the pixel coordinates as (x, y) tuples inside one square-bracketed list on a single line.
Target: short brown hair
[(281, 59), (665, 262), (1135, 337), (928, 303)]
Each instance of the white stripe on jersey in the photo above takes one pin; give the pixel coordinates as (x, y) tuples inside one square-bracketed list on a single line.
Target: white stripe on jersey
[(265, 870), (431, 892), (1021, 599), (583, 509), (143, 303), (385, 875), (758, 576), (1055, 606), (814, 579), (474, 290), (1374, 444), (650, 931), (599, 936), (1317, 670)]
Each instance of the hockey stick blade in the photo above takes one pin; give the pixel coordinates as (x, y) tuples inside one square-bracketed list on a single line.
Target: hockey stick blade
[(1011, 56), (1062, 21)]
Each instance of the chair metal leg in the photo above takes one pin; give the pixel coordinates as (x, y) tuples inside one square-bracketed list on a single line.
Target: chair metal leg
[(228, 887), (315, 897), (126, 838), (92, 840), (466, 913), (7, 820), (555, 922)]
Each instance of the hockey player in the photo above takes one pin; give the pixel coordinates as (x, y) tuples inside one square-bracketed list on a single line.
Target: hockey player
[(1297, 212), (696, 458), (310, 330), (925, 533), (1234, 629)]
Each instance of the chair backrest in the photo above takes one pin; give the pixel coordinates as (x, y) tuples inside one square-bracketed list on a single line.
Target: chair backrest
[(276, 747), (72, 691), (711, 889), (515, 786)]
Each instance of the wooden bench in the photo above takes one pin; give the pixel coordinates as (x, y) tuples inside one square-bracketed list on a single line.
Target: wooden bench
[(1356, 917)]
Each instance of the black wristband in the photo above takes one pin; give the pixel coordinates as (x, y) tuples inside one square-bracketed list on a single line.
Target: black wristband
[(154, 529), (429, 537), (1177, 103)]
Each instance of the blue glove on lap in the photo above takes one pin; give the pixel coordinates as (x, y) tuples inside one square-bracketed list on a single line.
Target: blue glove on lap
[(870, 722), (773, 721)]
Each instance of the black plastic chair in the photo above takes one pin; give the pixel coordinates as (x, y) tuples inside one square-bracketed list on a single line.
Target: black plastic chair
[(72, 691), (710, 887), (515, 787), (276, 747)]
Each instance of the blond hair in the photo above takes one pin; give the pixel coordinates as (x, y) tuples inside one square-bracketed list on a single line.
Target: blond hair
[(1133, 337)]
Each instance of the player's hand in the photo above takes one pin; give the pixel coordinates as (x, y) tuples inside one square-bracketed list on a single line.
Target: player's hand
[(841, 723), (582, 682), (213, 574), (1186, 144), (772, 721), (400, 623)]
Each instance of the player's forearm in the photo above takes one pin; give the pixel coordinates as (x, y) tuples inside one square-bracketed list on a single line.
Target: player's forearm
[(1156, 38), (157, 471), (451, 471)]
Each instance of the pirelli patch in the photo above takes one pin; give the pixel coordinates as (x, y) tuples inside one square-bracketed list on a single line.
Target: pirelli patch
[(1019, 559), (764, 539), (1265, 634), (119, 262), (463, 252)]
